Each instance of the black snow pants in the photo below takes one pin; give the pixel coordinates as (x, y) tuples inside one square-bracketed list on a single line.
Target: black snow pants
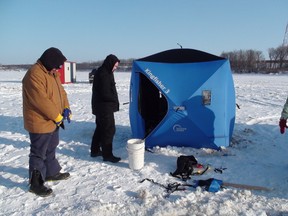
[(104, 134)]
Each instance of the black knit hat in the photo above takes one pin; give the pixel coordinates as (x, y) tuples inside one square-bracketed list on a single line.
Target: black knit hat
[(52, 58)]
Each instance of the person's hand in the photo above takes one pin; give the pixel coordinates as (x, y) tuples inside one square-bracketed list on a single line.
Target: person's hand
[(67, 114), (282, 125), (59, 120)]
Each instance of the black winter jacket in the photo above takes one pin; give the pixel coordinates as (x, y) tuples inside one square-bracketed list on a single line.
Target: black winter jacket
[(104, 93)]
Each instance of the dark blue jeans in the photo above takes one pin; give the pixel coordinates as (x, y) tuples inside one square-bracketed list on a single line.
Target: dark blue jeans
[(42, 153)]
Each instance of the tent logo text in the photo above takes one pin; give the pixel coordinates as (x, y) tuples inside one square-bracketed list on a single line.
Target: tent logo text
[(179, 128), (157, 81)]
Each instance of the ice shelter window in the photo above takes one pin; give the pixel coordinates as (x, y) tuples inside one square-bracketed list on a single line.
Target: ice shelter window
[(152, 104), (206, 97)]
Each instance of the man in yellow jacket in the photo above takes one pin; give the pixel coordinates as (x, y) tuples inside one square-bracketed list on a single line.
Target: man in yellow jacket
[(45, 107)]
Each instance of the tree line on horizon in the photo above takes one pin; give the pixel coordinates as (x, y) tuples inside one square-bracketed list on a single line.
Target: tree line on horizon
[(249, 61), (241, 61)]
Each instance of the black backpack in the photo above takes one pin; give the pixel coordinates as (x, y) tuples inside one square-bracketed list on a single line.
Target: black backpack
[(184, 167)]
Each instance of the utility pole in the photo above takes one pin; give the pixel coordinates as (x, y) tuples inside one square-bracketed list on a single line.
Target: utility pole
[(285, 39)]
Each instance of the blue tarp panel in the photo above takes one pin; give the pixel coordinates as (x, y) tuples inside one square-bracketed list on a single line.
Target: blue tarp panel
[(182, 97)]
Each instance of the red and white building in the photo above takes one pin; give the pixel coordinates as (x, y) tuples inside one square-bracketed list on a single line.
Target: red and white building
[(68, 72)]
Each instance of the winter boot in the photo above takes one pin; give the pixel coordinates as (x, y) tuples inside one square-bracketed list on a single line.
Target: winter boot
[(37, 185), (58, 176), (96, 154), (112, 159)]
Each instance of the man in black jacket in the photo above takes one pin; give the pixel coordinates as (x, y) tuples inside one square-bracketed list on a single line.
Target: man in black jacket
[(104, 103)]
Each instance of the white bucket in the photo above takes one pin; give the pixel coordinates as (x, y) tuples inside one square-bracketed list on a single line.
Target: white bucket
[(136, 149)]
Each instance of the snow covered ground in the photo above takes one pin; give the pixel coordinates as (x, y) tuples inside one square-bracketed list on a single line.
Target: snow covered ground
[(258, 156)]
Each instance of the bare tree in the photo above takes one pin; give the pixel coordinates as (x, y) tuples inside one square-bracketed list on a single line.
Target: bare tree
[(243, 61), (278, 56)]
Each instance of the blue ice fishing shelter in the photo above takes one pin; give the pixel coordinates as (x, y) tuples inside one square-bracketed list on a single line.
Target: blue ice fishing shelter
[(182, 97)]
